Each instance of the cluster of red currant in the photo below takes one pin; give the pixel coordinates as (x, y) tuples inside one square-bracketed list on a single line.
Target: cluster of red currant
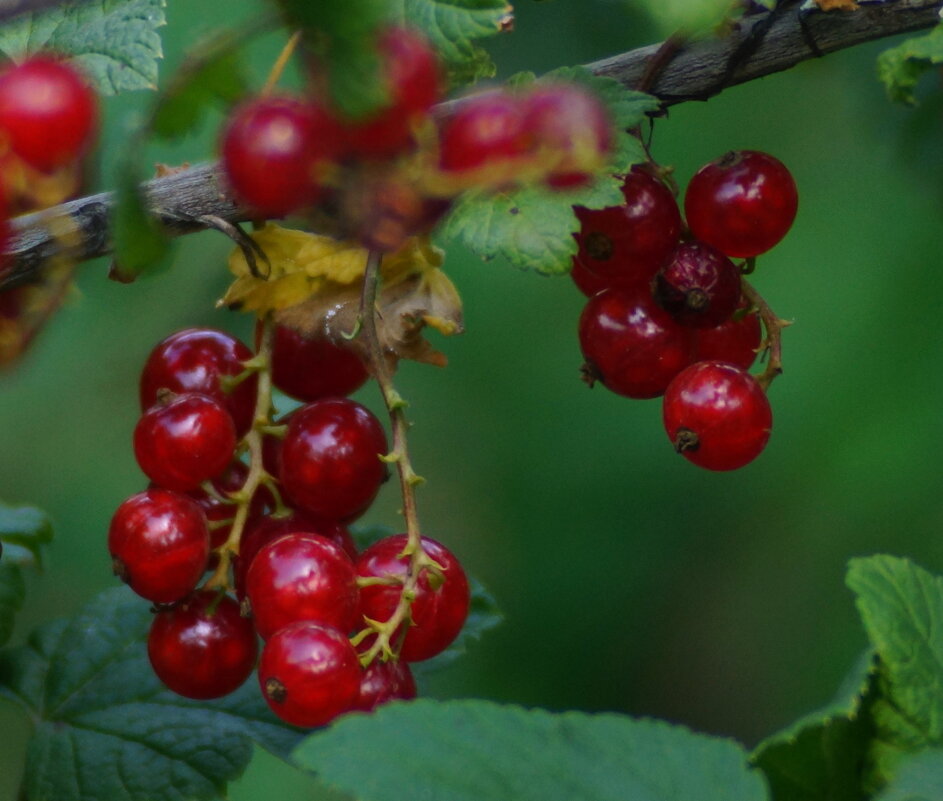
[(281, 154), (668, 314), (48, 120), (273, 530)]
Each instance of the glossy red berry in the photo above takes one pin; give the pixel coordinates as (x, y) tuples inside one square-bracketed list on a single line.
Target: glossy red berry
[(440, 607), (48, 112), (271, 150), (194, 360), (182, 442), (264, 530), (410, 67), (302, 577), (743, 203), (330, 458), (486, 132), (383, 682), (309, 674), (736, 341), (202, 648), (699, 286), (717, 416), (624, 246), (572, 131), (631, 344), (159, 544), (311, 368)]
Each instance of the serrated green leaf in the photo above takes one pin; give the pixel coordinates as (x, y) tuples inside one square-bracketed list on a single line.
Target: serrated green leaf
[(140, 244), (480, 751), (821, 757), (453, 26), (24, 530), (12, 594), (919, 778), (901, 607), (107, 730), (692, 16), (213, 72), (532, 226), (483, 611), (342, 33), (114, 42), (900, 68)]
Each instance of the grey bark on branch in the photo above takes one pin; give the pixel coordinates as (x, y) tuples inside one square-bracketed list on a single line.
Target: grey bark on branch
[(697, 72)]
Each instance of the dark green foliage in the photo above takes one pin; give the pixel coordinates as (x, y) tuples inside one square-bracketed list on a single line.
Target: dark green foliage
[(105, 728), (480, 751)]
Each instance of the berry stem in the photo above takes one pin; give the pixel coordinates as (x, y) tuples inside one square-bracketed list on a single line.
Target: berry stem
[(257, 474), (774, 326), (382, 368), (280, 63)]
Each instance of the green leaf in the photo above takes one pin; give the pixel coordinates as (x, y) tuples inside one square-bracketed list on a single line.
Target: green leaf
[(140, 244), (24, 530), (213, 72), (919, 778), (532, 226), (821, 757), (342, 32), (453, 26), (12, 593), (106, 729), (115, 42), (900, 68), (901, 606), (480, 751), (483, 612)]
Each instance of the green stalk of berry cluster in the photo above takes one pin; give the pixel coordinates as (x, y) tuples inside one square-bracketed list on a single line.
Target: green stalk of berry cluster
[(257, 476), (773, 325), (419, 560)]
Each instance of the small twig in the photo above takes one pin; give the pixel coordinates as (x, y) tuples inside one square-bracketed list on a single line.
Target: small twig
[(774, 326)]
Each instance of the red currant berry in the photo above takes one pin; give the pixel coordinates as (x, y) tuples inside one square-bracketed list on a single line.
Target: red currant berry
[(486, 133), (736, 341), (195, 360), (383, 682), (330, 459), (202, 648), (184, 441), (586, 280), (624, 246), (159, 544), (410, 67), (302, 577), (271, 148), (717, 416), (631, 344), (699, 286), (441, 604), (572, 131), (309, 674), (47, 112), (311, 368), (261, 532), (743, 203)]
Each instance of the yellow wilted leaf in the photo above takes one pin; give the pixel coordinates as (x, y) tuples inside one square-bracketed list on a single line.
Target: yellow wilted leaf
[(837, 5), (312, 284)]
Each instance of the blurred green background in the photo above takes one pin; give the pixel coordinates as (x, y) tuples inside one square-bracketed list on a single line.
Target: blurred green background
[(631, 580)]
